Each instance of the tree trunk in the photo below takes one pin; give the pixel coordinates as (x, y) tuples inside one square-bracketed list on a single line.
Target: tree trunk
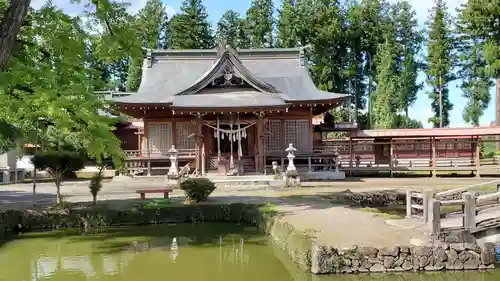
[(58, 191), (94, 199), (10, 26), (497, 109)]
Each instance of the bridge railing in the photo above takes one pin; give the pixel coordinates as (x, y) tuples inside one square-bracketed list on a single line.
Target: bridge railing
[(478, 212), (417, 202)]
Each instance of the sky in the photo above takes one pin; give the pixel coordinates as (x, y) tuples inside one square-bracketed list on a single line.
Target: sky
[(420, 110)]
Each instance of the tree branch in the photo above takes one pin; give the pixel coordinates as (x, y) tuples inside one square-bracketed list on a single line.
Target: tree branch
[(10, 26)]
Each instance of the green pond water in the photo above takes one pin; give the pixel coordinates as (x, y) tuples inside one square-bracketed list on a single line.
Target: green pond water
[(212, 251)]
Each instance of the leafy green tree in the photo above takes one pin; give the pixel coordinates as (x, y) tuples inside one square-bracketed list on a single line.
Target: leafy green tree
[(440, 63), (48, 79), (260, 23), (386, 101), (191, 29), (480, 47), (229, 29)]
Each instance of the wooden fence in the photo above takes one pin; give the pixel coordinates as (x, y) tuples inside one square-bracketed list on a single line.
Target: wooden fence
[(477, 211)]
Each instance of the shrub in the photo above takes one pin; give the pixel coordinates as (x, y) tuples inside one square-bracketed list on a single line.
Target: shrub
[(95, 183), (197, 189), (58, 164)]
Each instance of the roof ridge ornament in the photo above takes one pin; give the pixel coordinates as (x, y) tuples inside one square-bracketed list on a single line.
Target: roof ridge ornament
[(223, 47), (302, 55)]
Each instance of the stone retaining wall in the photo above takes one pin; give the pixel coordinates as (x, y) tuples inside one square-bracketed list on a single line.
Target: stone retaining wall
[(456, 256)]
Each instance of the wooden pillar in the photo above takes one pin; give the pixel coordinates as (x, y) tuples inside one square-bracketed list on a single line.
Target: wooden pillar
[(174, 133), (260, 142), (433, 156), (148, 148), (311, 137), (351, 146), (391, 157), (283, 143), (199, 142), (478, 157)]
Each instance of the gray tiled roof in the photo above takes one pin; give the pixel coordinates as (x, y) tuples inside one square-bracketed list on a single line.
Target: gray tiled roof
[(178, 77)]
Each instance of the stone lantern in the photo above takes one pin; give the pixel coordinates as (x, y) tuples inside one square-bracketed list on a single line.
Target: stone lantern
[(291, 156), (336, 159), (291, 177), (173, 170)]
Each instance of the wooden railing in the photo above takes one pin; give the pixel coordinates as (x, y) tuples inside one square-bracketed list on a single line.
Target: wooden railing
[(427, 205), (158, 154), (478, 213)]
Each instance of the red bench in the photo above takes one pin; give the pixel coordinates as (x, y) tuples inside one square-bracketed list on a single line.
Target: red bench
[(143, 192)]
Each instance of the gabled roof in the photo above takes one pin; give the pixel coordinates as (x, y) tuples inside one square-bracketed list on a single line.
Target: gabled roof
[(228, 59), (179, 78)]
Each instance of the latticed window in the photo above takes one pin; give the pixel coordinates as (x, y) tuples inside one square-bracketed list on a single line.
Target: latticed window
[(182, 131), (159, 137), (273, 140), (297, 133)]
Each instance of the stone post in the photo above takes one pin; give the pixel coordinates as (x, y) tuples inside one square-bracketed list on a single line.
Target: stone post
[(434, 216), (291, 156), (408, 203), (469, 221), (173, 161), (427, 196)]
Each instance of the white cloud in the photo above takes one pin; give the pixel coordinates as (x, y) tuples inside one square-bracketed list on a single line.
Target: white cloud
[(422, 7), (170, 10)]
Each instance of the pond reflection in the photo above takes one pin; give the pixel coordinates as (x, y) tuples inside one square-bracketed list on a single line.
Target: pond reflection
[(184, 252)]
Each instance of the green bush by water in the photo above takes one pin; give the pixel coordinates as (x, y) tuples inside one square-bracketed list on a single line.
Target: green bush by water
[(198, 189), (101, 217)]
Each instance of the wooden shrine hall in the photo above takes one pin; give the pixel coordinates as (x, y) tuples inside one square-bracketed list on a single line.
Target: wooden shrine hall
[(227, 109), (223, 106)]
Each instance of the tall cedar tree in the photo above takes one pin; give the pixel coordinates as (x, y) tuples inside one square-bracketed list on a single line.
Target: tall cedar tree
[(191, 29), (386, 101), (287, 24), (149, 21), (229, 29), (328, 45), (260, 23), (355, 71), (409, 44), (294, 23), (440, 62), (479, 24)]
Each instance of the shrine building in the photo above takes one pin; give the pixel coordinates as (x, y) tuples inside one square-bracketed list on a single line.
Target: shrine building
[(223, 105), (224, 108)]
